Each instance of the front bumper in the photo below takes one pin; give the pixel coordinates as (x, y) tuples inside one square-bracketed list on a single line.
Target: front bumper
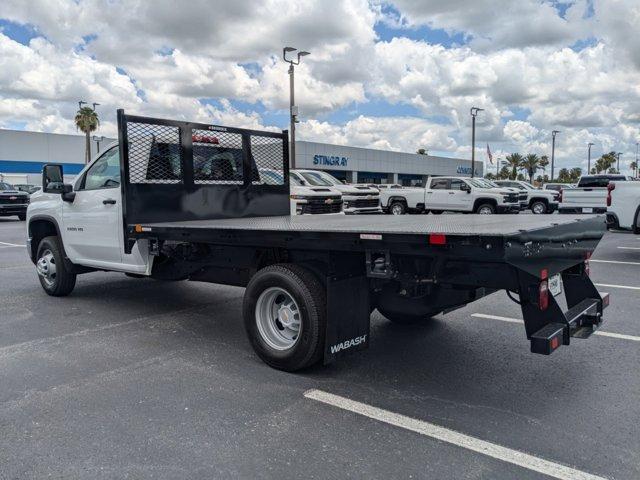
[(13, 209), (508, 208)]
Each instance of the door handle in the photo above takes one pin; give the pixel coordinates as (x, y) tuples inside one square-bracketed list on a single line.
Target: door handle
[(450, 193), (109, 201)]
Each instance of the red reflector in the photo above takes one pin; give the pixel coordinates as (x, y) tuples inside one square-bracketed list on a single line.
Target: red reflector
[(543, 295), (544, 274), (438, 239), (204, 139), (554, 343)]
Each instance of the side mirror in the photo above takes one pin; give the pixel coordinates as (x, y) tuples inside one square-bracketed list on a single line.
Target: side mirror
[(465, 188), (52, 179)]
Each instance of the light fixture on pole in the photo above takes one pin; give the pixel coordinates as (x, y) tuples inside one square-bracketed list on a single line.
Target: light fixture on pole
[(637, 169), (80, 103), (474, 112), (589, 158), (293, 109), (553, 150), (95, 105), (98, 139)]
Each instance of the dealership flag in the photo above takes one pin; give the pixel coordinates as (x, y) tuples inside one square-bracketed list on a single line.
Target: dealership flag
[(489, 154)]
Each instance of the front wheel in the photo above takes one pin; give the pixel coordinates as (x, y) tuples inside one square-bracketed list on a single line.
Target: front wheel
[(538, 208), (397, 208), (54, 276), (486, 209), (284, 311)]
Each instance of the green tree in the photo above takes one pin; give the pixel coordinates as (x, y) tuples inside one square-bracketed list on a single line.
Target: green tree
[(87, 121), (544, 163), (514, 163), (575, 174), (634, 168), (490, 176), (505, 173), (564, 176), (530, 164), (422, 151)]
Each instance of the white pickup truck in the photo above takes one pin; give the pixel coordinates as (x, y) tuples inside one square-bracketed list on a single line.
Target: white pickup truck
[(452, 194), (355, 198), (590, 196), (537, 200), (623, 206)]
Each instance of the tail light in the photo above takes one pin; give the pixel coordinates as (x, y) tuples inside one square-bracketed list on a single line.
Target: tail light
[(611, 187), (543, 295), (204, 139)]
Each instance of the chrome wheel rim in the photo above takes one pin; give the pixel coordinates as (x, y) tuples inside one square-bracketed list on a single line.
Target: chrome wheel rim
[(46, 268), (396, 209), (278, 318), (485, 211), (538, 208)]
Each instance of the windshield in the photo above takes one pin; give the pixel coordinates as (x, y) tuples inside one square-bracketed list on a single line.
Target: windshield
[(528, 186), (6, 186), (486, 183), (475, 182), (329, 178), (294, 180), (316, 179)]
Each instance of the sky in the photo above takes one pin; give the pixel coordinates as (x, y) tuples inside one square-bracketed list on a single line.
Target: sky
[(397, 75)]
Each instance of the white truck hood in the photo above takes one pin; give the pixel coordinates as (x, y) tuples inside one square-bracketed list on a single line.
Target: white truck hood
[(314, 191)]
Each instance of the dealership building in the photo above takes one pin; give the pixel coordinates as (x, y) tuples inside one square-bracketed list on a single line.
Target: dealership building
[(22, 155)]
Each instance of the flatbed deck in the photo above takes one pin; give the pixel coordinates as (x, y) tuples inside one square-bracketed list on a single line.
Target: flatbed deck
[(485, 225)]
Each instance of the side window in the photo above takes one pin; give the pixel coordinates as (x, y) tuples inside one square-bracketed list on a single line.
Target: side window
[(105, 173), (439, 184), (456, 184)]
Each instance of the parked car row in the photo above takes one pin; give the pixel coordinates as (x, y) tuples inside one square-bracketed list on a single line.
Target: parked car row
[(13, 201)]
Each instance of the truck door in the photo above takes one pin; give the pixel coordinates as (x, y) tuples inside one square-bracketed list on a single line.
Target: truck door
[(459, 198), (92, 230), (437, 196)]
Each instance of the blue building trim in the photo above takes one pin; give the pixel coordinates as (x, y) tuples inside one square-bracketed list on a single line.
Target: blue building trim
[(20, 166)]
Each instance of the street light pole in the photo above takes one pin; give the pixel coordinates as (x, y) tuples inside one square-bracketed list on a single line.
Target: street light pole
[(293, 110), (637, 168), (589, 158), (474, 112), (553, 150)]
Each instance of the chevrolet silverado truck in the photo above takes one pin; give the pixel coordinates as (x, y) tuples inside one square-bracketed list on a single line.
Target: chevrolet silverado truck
[(452, 194), (355, 198), (537, 200), (590, 196), (13, 201), (163, 205)]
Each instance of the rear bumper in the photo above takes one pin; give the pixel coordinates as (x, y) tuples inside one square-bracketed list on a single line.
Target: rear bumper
[(587, 210)]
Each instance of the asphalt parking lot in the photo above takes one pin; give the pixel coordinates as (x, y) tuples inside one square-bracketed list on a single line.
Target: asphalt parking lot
[(133, 378)]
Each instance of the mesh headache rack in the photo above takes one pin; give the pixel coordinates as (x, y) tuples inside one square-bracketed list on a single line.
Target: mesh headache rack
[(177, 171)]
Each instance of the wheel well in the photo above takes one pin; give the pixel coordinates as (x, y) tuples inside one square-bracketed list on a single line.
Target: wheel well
[(38, 229), (539, 199), (396, 199), (480, 201)]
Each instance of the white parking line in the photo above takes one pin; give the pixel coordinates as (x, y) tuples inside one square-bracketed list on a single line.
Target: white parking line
[(629, 248), (614, 261), (606, 285), (452, 437), (620, 336), (5, 244)]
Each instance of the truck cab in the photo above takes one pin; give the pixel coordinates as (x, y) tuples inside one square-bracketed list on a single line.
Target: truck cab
[(356, 199)]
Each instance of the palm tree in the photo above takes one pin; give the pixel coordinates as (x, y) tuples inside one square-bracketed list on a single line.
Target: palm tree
[(531, 164), (634, 168), (544, 163), (87, 121), (514, 162)]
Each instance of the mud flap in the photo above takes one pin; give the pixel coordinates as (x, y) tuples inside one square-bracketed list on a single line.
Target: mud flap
[(348, 316)]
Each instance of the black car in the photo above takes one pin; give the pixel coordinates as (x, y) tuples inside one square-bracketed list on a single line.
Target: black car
[(13, 201)]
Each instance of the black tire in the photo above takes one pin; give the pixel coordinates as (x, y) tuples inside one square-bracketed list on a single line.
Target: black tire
[(403, 318), (436, 212), (398, 207), (488, 206), (22, 217), (635, 228), (309, 295), (540, 206), (64, 281)]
